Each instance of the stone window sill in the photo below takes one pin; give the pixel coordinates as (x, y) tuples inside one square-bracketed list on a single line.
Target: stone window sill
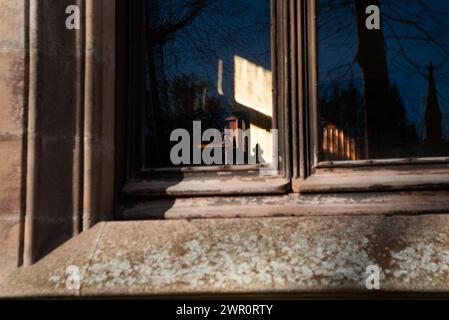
[(299, 256)]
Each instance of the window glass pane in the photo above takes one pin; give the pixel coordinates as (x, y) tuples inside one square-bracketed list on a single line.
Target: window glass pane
[(207, 61), (383, 78)]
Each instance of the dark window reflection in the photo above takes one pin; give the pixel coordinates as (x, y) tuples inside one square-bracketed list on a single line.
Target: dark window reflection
[(383, 93), (208, 61)]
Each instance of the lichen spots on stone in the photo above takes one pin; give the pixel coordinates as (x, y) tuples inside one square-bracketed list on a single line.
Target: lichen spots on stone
[(268, 255), (259, 254)]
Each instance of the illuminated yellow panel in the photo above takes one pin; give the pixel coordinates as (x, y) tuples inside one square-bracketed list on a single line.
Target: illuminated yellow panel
[(253, 90), (252, 86), (220, 78)]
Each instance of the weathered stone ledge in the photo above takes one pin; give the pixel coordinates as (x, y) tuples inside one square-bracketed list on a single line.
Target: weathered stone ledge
[(302, 255)]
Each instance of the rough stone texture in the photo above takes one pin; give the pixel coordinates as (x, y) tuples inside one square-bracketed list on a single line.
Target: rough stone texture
[(48, 277), (243, 256), (9, 246), (58, 125), (10, 176), (63, 135), (12, 71)]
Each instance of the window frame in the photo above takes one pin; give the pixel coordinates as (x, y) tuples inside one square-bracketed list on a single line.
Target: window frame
[(295, 111), (133, 175), (327, 176)]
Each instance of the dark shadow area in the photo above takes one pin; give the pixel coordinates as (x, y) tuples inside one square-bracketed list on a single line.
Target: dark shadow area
[(57, 130), (26, 82)]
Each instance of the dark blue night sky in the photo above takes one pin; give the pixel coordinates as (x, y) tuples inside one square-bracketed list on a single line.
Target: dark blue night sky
[(409, 47), (223, 30)]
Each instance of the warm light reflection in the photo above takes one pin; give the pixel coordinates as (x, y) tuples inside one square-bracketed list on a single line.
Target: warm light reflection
[(337, 145), (220, 78), (253, 86), (253, 89)]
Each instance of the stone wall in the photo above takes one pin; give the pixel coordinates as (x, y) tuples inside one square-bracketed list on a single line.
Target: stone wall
[(74, 95), (12, 105)]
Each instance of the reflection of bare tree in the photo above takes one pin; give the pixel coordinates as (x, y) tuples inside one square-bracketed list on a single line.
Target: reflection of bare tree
[(180, 16), (163, 20), (407, 28), (185, 39), (166, 20)]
